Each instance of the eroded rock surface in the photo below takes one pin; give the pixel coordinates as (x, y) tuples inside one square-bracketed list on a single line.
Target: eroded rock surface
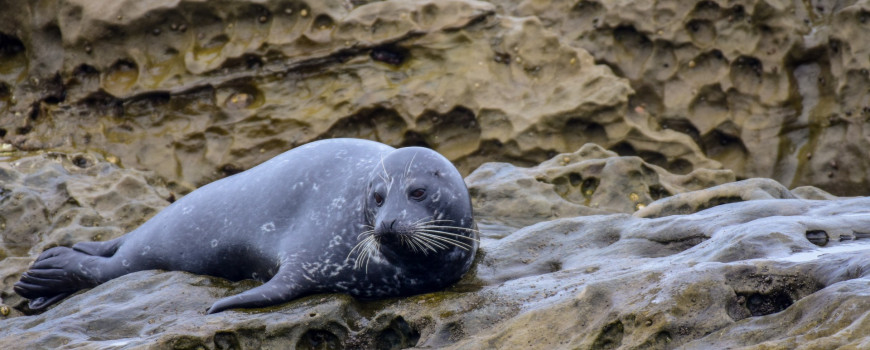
[(591, 180), (736, 274), (58, 199), (769, 89), (198, 90), (658, 248)]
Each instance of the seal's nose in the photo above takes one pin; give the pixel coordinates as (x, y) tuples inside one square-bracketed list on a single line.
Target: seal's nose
[(386, 226)]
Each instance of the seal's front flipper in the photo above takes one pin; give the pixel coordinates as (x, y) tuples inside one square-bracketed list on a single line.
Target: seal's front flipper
[(104, 249), (44, 302), (278, 290)]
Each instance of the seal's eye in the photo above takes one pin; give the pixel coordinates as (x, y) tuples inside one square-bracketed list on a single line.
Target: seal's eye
[(379, 199), (418, 194)]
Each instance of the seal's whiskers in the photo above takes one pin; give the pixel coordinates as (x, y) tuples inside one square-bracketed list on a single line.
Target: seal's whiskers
[(446, 240), (438, 230)]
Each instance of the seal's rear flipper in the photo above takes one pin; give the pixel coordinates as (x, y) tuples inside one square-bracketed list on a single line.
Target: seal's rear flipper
[(57, 273), (44, 302), (104, 249), (278, 290)]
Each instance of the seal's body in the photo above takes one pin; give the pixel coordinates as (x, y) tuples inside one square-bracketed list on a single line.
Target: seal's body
[(343, 215)]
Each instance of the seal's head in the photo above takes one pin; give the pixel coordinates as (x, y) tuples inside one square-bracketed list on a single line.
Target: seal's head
[(418, 212)]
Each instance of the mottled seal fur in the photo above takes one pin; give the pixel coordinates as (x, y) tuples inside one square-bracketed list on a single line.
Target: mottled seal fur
[(342, 215)]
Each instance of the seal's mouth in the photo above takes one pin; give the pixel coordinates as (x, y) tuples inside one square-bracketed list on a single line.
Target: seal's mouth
[(421, 238)]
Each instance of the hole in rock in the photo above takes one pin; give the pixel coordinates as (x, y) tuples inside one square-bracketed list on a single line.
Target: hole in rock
[(624, 149), (389, 54), (719, 200), (765, 304), (589, 186), (701, 31), (226, 341), (657, 192), (746, 73), (230, 169), (501, 57), (610, 336), (414, 139), (819, 237), (323, 22), (399, 335), (575, 179), (578, 132), (10, 46), (81, 162), (654, 158), (680, 166), (316, 339), (724, 147), (706, 10), (682, 125)]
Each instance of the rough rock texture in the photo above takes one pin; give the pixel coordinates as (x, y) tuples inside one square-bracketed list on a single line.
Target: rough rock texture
[(656, 248), (772, 89), (769, 89), (589, 181), (788, 273), (57, 199), (197, 90)]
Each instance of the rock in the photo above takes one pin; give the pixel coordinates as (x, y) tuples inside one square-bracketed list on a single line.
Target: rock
[(246, 81), (644, 241), (589, 181), (769, 90), (59, 199), (686, 203), (728, 276)]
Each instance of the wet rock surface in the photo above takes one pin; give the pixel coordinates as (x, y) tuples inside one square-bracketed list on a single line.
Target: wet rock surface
[(603, 143), (735, 274), (763, 266)]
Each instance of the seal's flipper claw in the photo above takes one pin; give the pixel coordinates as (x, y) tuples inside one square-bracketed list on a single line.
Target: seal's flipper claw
[(45, 274), (44, 302)]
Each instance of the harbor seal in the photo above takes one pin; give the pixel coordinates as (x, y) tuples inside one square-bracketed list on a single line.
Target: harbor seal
[(342, 215)]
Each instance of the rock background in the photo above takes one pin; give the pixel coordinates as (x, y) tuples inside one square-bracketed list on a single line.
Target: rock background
[(602, 141)]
